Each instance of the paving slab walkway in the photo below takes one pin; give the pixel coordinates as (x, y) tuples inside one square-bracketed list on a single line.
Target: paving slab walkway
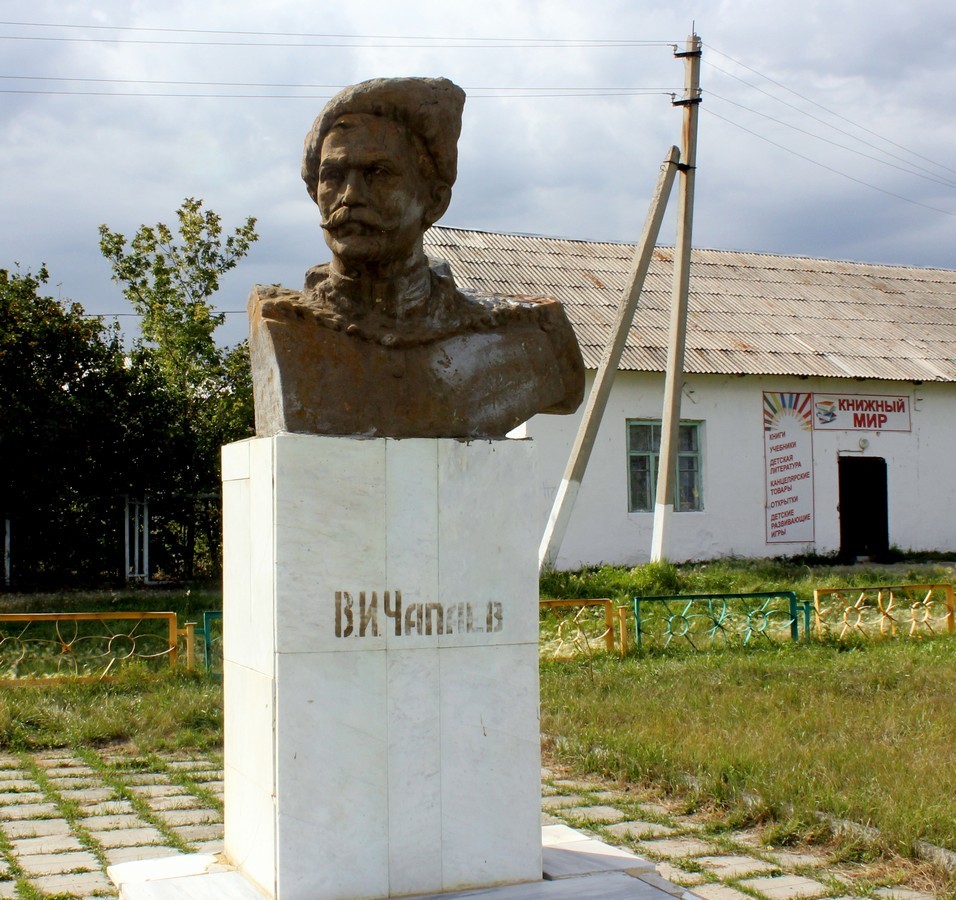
[(65, 817), (710, 862)]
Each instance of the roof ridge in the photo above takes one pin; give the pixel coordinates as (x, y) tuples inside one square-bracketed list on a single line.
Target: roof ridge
[(758, 253)]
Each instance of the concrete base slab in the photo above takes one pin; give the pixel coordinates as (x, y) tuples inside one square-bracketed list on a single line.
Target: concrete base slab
[(212, 886), (186, 876), (589, 857), (604, 886), (569, 853), (576, 866), (175, 866)]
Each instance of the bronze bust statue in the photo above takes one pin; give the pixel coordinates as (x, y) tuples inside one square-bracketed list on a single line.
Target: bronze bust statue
[(380, 342)]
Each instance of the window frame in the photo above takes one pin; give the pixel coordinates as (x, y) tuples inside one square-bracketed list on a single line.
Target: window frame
[(653, 452)]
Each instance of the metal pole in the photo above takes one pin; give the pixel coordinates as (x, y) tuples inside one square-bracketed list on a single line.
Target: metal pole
[(673, 382), (126, 534), (137, 545), (601, 389), (145, 539), (6, 553)]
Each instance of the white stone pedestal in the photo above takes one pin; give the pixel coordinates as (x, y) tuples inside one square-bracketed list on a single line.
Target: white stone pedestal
[(380, 635)]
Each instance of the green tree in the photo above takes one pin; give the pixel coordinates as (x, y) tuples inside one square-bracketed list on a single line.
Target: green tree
[(169, 280), (78, 417), (170, 284)]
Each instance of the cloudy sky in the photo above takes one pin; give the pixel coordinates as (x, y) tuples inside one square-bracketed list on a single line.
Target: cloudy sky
[(825, 129)]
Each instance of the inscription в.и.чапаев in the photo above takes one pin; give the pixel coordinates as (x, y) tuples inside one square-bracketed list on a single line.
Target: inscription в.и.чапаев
[(360, 618)]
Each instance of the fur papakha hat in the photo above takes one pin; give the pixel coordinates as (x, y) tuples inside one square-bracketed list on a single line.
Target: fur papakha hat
[(429, 107)]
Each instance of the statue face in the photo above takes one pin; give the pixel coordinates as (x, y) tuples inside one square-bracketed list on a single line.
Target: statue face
[(371, 192)]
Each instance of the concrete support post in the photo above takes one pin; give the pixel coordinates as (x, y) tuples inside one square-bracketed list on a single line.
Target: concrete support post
[(601, 389), (673, 383)]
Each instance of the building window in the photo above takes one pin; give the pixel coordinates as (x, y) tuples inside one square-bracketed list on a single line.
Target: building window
[(643, 452)]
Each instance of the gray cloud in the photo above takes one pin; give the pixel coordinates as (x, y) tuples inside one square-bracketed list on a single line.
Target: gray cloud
[(572, 166)]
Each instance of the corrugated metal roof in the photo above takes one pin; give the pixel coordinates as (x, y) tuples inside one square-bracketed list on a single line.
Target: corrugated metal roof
[(749, 313)]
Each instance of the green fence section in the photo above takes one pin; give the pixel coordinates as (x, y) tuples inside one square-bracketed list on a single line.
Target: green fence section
[(212, 642), (706, 621)]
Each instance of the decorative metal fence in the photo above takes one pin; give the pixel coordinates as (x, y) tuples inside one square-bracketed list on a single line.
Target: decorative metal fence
[(587, 627), (910, 610), (37, 647), (706, 621)]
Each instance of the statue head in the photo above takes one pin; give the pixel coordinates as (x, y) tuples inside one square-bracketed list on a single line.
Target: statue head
[(380, 162)]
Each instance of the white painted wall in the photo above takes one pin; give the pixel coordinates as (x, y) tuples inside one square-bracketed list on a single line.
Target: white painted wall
[(921, 470)]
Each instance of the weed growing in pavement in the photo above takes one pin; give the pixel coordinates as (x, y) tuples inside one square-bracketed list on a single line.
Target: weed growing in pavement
[(186, 781), (25, 891), (68, 809), (115, 780)]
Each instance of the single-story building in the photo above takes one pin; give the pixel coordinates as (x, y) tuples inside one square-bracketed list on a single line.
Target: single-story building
[(818, 409)]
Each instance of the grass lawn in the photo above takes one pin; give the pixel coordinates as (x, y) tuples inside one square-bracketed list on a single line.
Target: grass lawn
[(737, 576), (189, 602), (152, 711), (775, 734), (866, 734)]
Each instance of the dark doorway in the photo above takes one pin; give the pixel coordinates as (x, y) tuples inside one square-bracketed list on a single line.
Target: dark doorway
[(864, 525)]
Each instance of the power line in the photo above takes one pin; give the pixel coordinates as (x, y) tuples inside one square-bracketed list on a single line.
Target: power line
[(826, 124), (909, 171), (457, 43), (575, 42), (331, 87), (154, 95), (475, 93), (605, 91), (815, 162), (408, 41), (824, 108)]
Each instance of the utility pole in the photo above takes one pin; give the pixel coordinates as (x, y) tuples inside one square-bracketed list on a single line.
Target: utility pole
[(673, 382), (604, 379)]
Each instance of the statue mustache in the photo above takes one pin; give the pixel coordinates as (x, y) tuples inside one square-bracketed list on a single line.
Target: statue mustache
[(345, 215)]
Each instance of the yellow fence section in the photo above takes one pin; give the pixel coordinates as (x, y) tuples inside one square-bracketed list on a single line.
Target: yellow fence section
[(38, 647), (579, 632), (909, 610)]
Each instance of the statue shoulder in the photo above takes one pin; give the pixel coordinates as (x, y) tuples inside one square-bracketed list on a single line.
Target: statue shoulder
[(272, 301)]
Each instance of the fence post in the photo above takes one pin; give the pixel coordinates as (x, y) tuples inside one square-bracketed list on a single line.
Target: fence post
[(609, 626), (794, 618), (190, 632), (173, 640)]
